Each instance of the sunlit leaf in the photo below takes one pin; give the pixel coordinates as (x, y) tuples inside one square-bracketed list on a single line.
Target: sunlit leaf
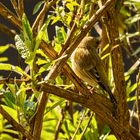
[(60, 34), (27, 33), (9, 67), (132, 88), (11, 111), (111, 137), (3, 48), (3, 59), (54, 105)]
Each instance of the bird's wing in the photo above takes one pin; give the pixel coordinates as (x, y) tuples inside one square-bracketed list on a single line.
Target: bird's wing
[(84, 61), (98, 69)]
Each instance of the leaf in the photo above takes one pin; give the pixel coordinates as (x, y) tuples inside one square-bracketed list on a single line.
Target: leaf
[(41, 62), (9, 67), (3, 59), (5, 136), (111, 137), (54, 106), (130, 89), (71, 4), (11, 112), (137, 51), (1, 123), (60, 34), (43, 68), (37, 6), (133, 19), (59, 80), (39, 36), (9, 99), (47, 22), (55, 19), (103, 50), (21, 95), (130, 99), (132, 68), (3, 48), (29, 108), (27, 33)]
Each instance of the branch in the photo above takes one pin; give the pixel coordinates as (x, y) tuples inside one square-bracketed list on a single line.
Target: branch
[(15, 124), (39, 116), (87, 27), (11, 80), (59, 124), (20, 8), (79, 125), (8, 15), (40, 18), (118, 72), (15, 6), (59, 64), (11, 33), (97, 103)]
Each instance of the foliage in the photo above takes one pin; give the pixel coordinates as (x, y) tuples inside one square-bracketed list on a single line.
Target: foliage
[(63, 119)]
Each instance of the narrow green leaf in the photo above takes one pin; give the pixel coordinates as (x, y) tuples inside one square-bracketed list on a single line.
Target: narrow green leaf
[(3, 48), (3, 59), (55, 105), (27, 33), (136, 52), (111, 137), (39, 36), (37, 6), (9, 99), (9, 67), (60, 34), (11, 112), (130, 89)]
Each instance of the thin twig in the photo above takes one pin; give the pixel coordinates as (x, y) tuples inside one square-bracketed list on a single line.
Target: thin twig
[(89, 24), (8, 15), (59, 64), (90, 118), (132, 112), (40, 18), (102, 110), (15, 6), (39, 116), (69, 38), (11, 33), (20, 8), (11, 80), (137, 98), (59, 124), (79, 125)]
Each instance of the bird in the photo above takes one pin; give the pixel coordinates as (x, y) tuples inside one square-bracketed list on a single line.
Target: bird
[(88, 66)]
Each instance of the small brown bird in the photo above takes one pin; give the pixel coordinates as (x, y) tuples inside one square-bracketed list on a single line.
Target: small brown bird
[(88, 66)]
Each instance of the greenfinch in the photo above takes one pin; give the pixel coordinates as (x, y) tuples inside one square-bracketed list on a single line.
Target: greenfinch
[(88, 66)]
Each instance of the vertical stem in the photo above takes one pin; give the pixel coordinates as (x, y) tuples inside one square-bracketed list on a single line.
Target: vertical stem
[(39, 115), (118, 72), (20, 8), (122, 114), (137, 99)]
